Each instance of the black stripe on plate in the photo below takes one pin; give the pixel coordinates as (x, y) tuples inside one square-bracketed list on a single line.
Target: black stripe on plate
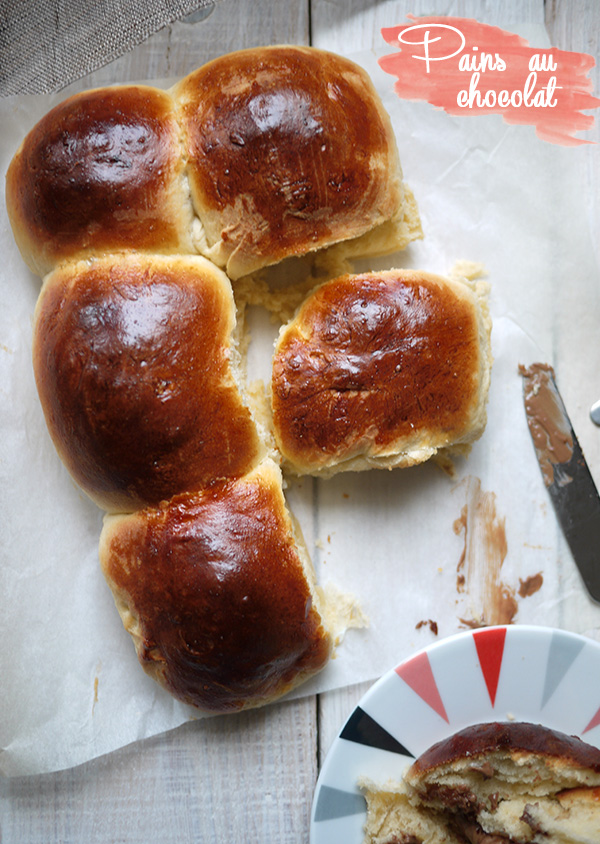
[(363, 729)]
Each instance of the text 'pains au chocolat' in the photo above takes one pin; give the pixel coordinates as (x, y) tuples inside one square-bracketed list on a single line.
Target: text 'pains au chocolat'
[(218, 594), (381, 369), (137, 370)]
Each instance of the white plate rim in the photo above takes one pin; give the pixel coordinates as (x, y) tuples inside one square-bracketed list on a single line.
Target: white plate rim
[(524, 672)]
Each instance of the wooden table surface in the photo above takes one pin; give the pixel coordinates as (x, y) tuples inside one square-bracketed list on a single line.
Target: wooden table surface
[(249, 777)]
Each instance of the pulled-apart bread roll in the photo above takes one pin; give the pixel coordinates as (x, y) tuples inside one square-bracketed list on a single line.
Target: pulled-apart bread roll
[(101, 172), (290, 150), (139, 377), (219, 595), (497, 783), (381, 369)]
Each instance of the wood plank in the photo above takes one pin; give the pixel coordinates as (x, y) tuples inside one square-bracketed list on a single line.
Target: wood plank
[(248, 777), (347, 26), (334, 710), (181, 47), (237, 778), (354, 26), (575, 25)]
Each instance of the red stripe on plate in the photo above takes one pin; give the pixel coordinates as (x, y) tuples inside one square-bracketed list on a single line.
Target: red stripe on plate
[(490, 650)]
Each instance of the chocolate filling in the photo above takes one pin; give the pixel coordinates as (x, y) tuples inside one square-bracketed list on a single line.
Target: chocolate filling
[(471, 832), (462, 805)]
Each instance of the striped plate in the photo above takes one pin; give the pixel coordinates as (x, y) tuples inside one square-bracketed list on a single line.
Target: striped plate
[(520, 673)]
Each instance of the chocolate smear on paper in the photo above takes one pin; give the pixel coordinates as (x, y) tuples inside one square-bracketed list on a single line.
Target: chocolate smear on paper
[(480, 566), (428, 623), (550, 431), (530, 585)]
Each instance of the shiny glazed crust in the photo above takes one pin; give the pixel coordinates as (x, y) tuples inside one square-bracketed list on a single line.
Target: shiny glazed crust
[(134, 359), (516, 739), (213, 589), (101, 172), (286, 149), (289, 150), (381, 369)]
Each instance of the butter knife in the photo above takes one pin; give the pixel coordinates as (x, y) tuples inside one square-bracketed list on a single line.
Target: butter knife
[(565, 473)]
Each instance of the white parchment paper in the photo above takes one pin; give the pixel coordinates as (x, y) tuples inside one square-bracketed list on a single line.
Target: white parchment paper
[(70, 684)]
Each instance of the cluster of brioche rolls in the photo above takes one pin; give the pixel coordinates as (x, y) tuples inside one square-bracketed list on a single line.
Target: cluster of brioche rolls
[(150, 214)]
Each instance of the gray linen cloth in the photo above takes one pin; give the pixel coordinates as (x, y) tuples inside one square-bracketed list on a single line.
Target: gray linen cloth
[(46, 44)]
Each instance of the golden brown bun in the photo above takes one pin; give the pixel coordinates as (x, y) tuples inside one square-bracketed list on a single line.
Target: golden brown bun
[(135, 363), (496, 783), (381, 369), (102, 171), (290, 150), (287, 150), (217, 594)]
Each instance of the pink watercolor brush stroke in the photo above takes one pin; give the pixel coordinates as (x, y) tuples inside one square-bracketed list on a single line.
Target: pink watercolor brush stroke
[(440, 80)]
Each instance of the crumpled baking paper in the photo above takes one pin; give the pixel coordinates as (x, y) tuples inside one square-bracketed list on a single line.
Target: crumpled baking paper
[(71, 688)]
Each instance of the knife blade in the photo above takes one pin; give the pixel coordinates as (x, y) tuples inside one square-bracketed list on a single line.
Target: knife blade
[(565, 473)]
